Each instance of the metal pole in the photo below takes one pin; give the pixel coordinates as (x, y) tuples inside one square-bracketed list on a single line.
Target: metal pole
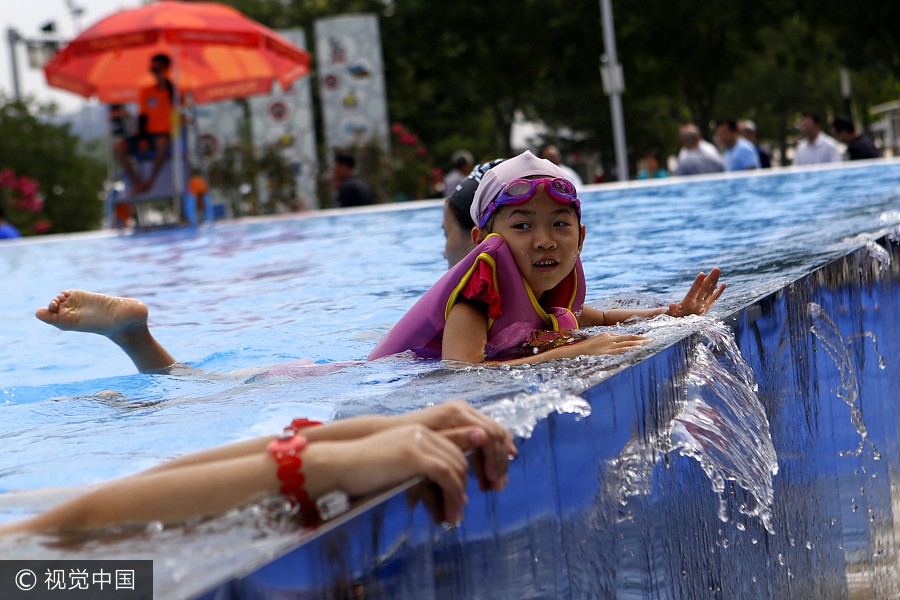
[(13, 37), (846, 92), (615, 85), (178, 187)]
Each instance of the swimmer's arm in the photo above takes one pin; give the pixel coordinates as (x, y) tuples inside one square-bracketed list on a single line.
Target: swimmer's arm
[(465, 335), (592, 317), (703, 294), (357, 467), (455, 414)]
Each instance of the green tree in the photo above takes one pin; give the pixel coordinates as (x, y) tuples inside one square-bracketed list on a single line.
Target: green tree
[(70, 181)]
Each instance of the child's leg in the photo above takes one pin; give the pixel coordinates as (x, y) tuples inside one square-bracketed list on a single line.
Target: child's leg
[(122, 320)]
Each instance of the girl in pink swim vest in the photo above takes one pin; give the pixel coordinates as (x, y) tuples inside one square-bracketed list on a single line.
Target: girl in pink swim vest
[(523, 280)]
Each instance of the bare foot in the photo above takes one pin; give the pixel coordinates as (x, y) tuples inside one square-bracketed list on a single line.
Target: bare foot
[(76, 310), (122, 320)]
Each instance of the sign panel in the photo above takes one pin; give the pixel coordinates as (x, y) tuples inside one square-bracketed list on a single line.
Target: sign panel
[(351, 72), (285, 118)]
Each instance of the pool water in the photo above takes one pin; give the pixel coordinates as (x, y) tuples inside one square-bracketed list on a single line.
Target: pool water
[(326, 287)]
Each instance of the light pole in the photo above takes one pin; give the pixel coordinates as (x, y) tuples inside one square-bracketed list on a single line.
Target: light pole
[(12, 37), (613, 86)]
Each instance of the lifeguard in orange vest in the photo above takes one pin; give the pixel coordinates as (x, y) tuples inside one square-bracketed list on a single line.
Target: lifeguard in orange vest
[(154, 126)]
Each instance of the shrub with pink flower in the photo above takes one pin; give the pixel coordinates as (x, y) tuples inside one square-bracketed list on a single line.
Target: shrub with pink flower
[(415, 175), (23, 203)]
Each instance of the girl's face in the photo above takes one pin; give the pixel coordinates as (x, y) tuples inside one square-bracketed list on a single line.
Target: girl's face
[(543, 236)]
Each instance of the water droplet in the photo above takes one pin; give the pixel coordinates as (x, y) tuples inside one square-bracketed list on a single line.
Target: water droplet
[(781, 560), (809, 545), (855, 508), (740, 526), (154, 526), (754, 541)]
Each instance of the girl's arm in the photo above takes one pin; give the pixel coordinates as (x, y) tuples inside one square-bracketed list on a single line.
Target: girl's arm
[(465, 336), (698, 301)]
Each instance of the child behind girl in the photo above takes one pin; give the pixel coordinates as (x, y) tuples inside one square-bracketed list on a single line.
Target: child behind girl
[(524, 279)]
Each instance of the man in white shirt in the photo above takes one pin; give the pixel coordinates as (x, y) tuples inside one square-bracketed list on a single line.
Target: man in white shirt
[(815, 147), (692, 160), (703, 146)]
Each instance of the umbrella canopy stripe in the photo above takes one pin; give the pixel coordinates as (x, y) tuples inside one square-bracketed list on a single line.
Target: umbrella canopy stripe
[(217, 52)]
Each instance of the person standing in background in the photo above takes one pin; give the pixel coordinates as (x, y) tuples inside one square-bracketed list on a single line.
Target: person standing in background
[(651, 168), (815, 147), (351, 191), (462, 166), (740, 154), (693, 160), (551, 153), (702, 145), (747, 129), (859, 146)]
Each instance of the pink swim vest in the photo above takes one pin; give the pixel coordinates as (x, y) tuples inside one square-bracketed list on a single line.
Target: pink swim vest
[(516, 319)]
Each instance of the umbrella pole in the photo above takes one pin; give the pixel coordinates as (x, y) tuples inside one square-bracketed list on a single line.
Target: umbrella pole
[(177, 175)]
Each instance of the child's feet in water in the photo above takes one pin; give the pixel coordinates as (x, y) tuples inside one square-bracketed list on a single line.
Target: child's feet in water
[(122, 320), (77, 310)]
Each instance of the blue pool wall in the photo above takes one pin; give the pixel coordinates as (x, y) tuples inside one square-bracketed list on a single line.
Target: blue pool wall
[(560, 530)]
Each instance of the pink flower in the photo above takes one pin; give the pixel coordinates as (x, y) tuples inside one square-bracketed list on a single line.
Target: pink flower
[(34, 205), (28, 186), (407, 139), (396, 128), (413, 140), (437, 174), (421, 151), (42, 227)]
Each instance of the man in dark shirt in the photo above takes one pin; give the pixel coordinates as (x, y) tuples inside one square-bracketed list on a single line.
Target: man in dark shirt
[(351, 191), (858, 146)]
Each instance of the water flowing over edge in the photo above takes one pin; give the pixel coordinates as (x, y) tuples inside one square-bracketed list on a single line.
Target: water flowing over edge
[(720, 422)]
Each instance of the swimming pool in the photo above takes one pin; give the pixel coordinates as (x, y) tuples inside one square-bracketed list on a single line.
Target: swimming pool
[(326, 287)]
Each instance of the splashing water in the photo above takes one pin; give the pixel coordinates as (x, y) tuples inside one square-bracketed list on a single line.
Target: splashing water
[(521, 413), (830, 338), (879, 253), (721, 424)]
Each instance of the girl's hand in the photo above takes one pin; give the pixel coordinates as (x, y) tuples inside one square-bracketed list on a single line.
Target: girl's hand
[(700, 297), (494, 450), (608, 343)]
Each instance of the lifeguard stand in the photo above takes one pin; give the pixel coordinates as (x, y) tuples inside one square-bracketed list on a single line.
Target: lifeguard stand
[(171, 185)]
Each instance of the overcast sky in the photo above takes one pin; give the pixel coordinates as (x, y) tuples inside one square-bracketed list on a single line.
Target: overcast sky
[(27, 17)]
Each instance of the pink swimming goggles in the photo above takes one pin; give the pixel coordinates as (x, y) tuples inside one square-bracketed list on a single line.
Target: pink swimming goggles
[(522, 190)]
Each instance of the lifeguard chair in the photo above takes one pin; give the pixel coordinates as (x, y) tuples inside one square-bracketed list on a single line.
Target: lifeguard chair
[(172, 185)]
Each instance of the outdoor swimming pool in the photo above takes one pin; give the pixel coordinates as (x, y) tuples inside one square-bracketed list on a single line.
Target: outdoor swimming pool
[(326, 287)]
